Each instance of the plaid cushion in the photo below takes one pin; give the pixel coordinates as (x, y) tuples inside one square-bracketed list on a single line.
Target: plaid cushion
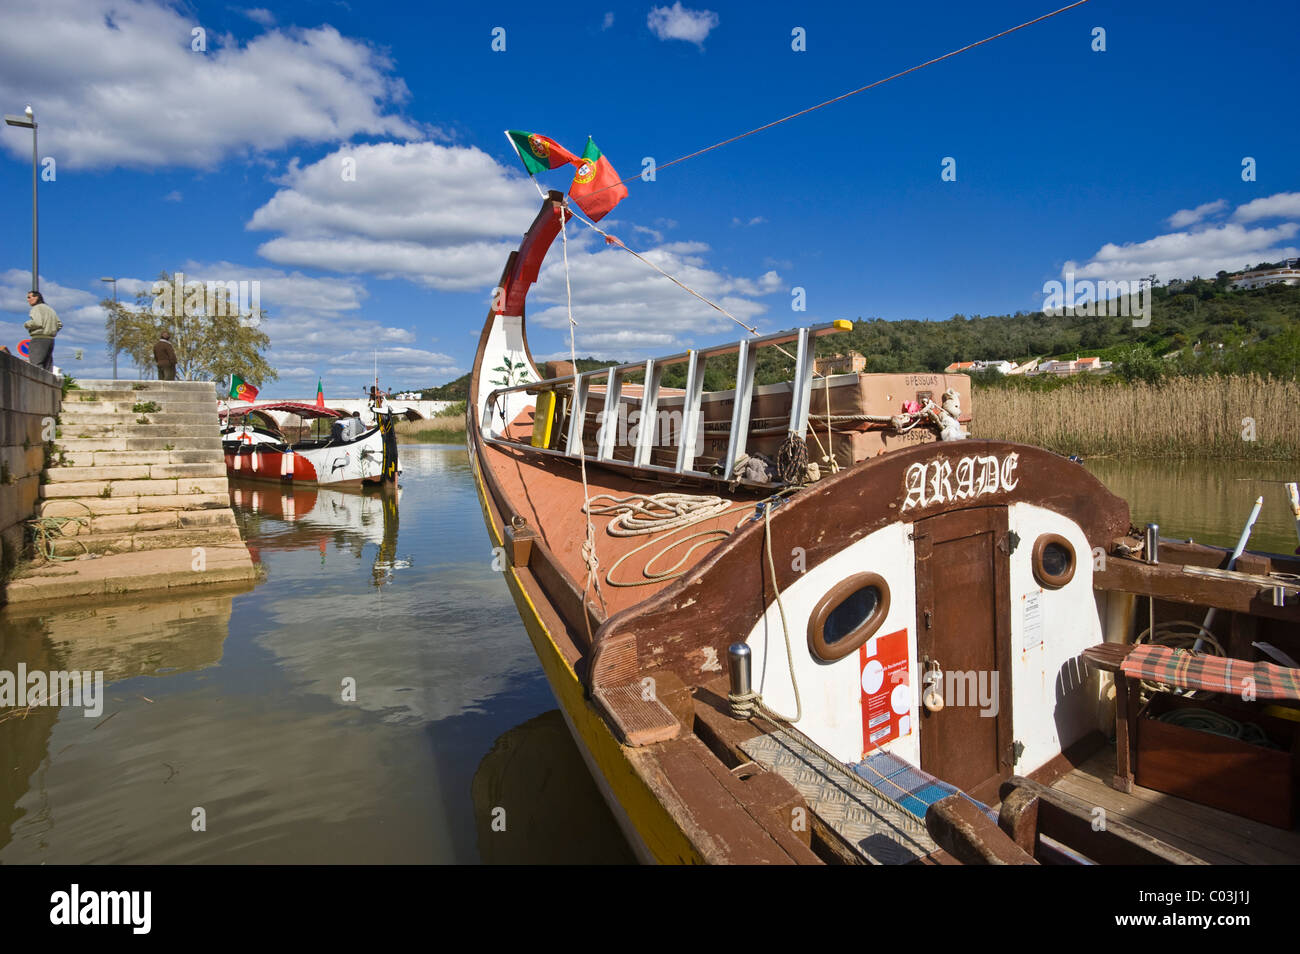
[(1185, 669)]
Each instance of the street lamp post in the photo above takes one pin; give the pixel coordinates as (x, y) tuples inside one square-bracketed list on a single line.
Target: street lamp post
[(114, 281), (28, 121)]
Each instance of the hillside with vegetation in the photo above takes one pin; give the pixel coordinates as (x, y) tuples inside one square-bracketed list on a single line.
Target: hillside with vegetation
[(1197, 327)]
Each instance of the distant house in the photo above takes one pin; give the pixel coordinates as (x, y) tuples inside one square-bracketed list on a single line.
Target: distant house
[(966, 367), (1077, 366), (850, 363), (1288, 273)]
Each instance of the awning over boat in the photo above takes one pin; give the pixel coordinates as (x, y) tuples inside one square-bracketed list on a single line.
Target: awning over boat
[(287, 407)]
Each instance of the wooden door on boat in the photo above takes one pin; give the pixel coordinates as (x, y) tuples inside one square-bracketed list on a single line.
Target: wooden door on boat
[(963, 625)]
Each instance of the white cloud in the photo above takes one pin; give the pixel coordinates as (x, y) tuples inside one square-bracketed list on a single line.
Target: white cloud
[(628, 311), (1184, 254), (607, 22), (173, 196), (756, 220), (118, 84), (1281, 205), (680, 23), (1185, 217), (260, 15), (447, 217), (442, 216)]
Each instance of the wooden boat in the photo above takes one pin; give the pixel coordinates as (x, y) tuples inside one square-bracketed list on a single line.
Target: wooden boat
[(774, 671), (351, 455)]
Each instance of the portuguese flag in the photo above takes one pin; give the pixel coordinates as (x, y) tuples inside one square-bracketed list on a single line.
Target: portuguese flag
[(241, 390), (320, 394), (539, 152), (596, 186)]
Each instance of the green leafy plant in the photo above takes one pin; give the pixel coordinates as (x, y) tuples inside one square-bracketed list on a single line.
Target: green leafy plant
[(145, 407), (107, 491), (512, 372), (139, 386), (142, 420), (168, 447)]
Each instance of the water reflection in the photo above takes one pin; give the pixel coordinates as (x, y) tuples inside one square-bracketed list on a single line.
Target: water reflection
[(535, 802), (240, 703), (1207, 501)]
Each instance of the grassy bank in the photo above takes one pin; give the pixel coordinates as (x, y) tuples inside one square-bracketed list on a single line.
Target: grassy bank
[(444, 429), (1231, 417)]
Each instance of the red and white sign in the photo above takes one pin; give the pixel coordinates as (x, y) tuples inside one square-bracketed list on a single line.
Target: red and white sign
[(886, 690), (25, 347)]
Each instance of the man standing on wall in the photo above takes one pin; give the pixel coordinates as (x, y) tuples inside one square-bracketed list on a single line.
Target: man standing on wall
[(164, 355), (43, 325)]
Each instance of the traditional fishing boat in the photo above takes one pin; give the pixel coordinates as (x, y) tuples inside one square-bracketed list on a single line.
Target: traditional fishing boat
[(914, 647), (350, 455)]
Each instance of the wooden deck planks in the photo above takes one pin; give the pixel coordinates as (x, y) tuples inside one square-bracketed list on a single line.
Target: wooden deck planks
[(1213, 835)]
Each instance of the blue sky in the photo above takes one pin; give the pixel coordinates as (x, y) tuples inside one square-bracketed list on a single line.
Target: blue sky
[(226, 163)]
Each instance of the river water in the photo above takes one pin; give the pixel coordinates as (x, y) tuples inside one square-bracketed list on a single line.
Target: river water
[(375, 699)]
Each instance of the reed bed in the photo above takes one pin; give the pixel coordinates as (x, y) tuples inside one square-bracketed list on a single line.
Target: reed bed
[(447, 429), (1242, 417)]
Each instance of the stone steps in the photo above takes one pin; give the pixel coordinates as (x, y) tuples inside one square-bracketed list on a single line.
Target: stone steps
[(147, 487), (108, 384), (125, 458), (134, 472), (134, 541), (195, 504), (169, 568), (119, 444), (145, 506)]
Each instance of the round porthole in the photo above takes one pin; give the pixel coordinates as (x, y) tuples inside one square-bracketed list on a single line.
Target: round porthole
[(1054, 561), (848, 616)]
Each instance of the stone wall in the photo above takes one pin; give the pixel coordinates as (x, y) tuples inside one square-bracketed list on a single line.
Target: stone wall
[(28, 396)]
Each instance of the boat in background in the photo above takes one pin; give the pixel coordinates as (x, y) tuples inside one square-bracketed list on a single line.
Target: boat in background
[(916, 657), (351, 455)]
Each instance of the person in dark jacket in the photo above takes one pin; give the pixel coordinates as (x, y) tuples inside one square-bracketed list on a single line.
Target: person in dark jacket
[(164, 355), (43, 325)]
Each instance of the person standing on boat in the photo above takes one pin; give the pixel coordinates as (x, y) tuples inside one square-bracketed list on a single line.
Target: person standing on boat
[(43, 325), (164, 355)]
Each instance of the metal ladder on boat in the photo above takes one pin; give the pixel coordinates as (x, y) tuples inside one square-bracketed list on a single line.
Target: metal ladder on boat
[(614, 377)]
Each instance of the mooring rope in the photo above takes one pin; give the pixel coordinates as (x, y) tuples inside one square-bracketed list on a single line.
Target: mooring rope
[(850, 93), (589, 556)]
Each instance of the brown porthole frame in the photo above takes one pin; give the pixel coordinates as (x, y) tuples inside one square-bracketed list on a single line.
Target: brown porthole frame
[(837, 594), (1040, 573)]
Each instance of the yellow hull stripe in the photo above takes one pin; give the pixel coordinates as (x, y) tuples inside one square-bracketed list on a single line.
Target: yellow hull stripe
[(662, 836)]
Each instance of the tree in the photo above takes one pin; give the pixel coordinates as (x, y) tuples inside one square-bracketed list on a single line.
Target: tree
[(212, 338)]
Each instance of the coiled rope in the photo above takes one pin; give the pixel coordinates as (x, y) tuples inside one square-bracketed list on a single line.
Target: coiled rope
[(1203, 720), (48, 531), (667, 513), (1180, 634)]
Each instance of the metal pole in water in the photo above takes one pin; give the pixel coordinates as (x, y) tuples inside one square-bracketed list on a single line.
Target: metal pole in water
[(1236, 552)]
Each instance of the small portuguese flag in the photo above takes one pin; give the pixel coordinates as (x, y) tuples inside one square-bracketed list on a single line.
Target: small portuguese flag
[(596, 186), (241, 390), (539, 152), (320, 394)]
